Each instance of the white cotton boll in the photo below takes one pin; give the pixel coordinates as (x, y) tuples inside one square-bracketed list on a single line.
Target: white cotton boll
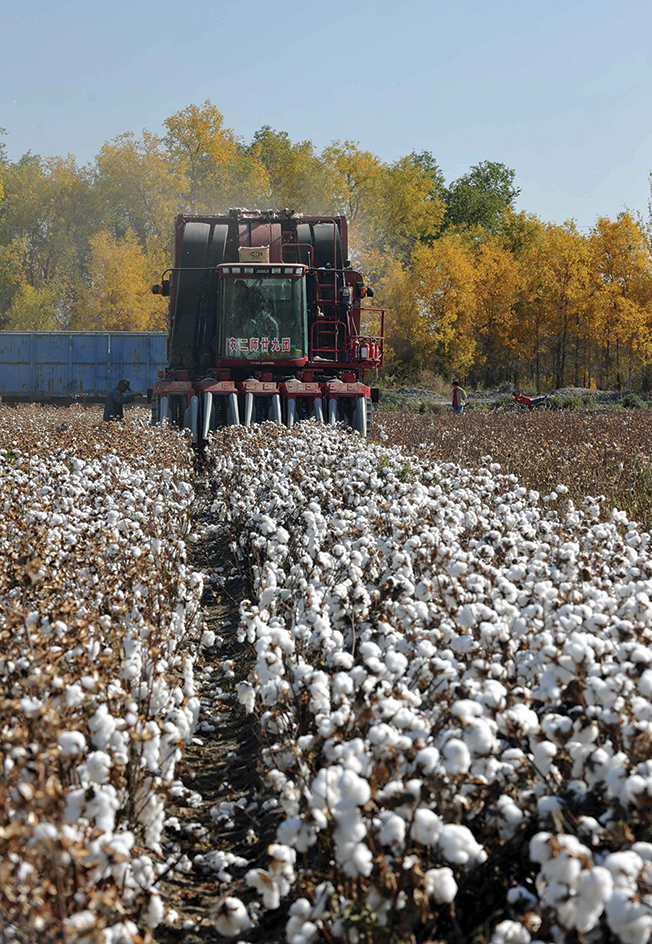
[(231, 917), (466, 710), (74, 695), (519, 719), (207, 639), (564, 904), (564, 868), (588, 826), (375, 666), (479, 737), (281, 853), (43, 832), (456, 756), (593, 891), (119, 846), (392, 831), (441, 885), (541, 847), (246, 696), (624, 868), (351, 827), (265, 885), (299, 911), (155, 911), (549, 804), (426, 827), (644, 850), (465, 615), (71, 742), (75, 801), (360, 861), (354, 789), (458, 845), (510, 932), (427, 759), (396, 662), (306, 935), (102, 808), (79, 923), (122, 933), (509, 816), (543, 753), (630, 921), (342, 684), (644, 683), (98, 765), (103, 725)]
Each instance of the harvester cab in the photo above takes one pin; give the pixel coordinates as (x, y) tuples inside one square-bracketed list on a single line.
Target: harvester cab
[(266, 323), (264, 315)]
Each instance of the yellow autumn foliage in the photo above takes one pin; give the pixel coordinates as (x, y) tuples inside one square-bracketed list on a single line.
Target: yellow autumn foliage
[(118, 295), (471, 286)]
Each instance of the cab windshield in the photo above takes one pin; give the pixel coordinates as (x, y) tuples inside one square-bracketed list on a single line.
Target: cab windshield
[(263, 318)]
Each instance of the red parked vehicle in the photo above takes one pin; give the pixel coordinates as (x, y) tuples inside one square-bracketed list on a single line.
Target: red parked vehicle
[(265, 320), (523, 402)]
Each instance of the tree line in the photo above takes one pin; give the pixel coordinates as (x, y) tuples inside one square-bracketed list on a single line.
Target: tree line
[(472, 286)]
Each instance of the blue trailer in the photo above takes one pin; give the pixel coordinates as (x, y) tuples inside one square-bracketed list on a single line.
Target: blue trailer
[(71, 365)]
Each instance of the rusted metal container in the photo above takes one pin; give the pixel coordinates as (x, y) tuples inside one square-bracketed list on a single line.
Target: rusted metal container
[(72, 365)]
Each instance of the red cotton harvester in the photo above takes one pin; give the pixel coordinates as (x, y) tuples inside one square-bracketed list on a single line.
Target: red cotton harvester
[(265, 324)]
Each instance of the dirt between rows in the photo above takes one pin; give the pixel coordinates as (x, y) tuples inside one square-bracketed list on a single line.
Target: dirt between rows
[(221, 766)]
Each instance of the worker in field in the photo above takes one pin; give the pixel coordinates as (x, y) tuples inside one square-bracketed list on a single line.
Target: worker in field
[(114, 402), (459, 397)]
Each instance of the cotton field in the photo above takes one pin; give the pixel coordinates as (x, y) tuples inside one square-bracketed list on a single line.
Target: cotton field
[(450, 676), (98, 618), (454, 679)]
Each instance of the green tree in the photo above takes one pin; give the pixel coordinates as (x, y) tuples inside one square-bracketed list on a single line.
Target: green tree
[(425, 160), (481, 197)]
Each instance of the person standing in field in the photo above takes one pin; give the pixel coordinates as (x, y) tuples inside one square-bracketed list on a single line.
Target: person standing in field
[(115, 400), (459, 397)]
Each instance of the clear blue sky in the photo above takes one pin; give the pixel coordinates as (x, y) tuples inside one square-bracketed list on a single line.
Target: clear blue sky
[(560, 91)]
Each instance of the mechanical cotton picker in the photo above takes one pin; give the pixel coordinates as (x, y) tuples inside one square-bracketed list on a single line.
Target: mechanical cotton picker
[(265, 319)]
